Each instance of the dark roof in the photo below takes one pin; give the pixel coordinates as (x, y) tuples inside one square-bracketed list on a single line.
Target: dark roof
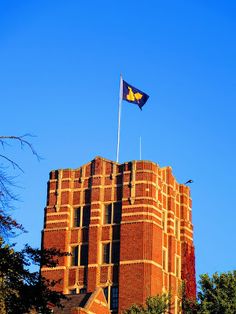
[(73, 301)]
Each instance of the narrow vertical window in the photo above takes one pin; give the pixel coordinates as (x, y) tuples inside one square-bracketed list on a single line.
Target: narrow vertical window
[(177, 266), (164, 221), (115, 252), (107, 214), (106, 253), (75, 255), (86, 216), (114, 298), (164, 259), (77, 213), (116, 213), (177, 228), (84, 254)]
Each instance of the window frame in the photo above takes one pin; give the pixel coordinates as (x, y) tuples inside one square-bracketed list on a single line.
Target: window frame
[(108, 295), (112, 257), (164, 220), (177, 266), (165, 259), (77, 262), (177, 228), (81, 217), (106, 255), (114, 299), (112, 220), (74, 260)]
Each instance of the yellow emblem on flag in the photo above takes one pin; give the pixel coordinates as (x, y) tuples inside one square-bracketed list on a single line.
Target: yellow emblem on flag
[(133, 96)]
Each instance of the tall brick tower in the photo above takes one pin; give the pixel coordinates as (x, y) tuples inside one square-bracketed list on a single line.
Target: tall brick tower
[(128, 227)]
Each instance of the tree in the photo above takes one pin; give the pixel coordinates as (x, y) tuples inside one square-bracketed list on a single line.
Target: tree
[(21, 289), (154, 305), (8, 226), (217, 295)]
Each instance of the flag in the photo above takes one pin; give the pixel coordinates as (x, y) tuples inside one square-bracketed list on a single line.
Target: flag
[(134, 95)]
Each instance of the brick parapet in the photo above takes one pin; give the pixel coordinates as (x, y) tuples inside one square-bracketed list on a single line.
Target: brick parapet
[(155, 221)]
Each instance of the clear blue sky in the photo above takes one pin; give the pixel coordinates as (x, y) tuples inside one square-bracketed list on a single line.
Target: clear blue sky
[(59, 79)]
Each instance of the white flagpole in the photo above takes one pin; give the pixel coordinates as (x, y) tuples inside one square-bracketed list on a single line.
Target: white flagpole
[(119, 116), (140, 148)]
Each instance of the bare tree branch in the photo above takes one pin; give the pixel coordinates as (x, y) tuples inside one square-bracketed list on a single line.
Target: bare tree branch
[(7, 197), (21, 139), (12, 162)]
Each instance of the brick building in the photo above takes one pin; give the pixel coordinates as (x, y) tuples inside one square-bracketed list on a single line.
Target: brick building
[(84, 303), (128, 227)]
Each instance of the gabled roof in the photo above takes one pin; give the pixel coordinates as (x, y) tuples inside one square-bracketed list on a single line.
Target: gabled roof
[(73, 301)]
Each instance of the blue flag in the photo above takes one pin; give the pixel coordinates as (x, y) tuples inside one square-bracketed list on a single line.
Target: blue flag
[(134, 95)]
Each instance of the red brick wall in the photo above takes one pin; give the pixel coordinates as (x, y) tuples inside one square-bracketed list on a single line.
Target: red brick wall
[(147, 194)]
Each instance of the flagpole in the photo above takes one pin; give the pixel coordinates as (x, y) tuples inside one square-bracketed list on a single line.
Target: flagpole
[(119, 117), (140, 148)]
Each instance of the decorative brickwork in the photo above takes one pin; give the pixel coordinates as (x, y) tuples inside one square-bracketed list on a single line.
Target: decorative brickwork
[(129, 228)]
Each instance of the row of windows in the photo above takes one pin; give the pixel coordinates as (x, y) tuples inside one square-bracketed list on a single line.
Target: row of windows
[(111, 215), (176, 224), (165, 263), (110, 254)]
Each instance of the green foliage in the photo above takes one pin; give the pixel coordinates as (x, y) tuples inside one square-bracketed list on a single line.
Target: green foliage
[(135, 309), (21, 289), (217, 295), (154, 305)]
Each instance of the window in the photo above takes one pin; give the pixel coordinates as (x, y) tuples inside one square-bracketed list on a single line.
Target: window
[(81, 216), (86, 216), (177, 228), (164, 221), (115, 252), (77, 214), (112, 213), (164, 260), (84, 254), (112, 296), (82, 290), (111, 252), (75, 255), (79, 255), (106, 253), (177, 266), (107, 214), (116, 213)]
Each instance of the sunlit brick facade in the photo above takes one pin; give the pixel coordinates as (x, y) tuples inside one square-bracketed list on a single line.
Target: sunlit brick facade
[(128, 227)]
